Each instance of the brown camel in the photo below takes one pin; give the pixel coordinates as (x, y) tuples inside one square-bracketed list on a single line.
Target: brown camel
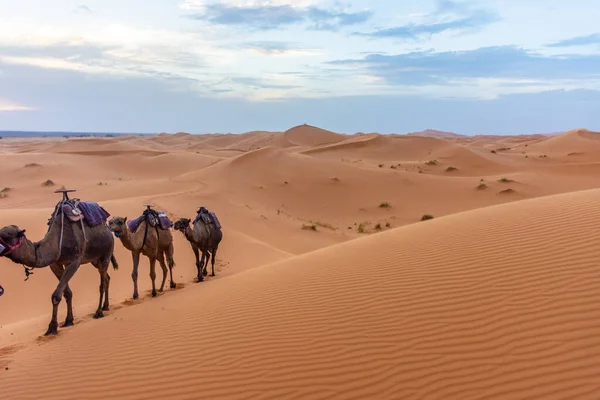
[(153, 242), (65, 247), (204, 237)]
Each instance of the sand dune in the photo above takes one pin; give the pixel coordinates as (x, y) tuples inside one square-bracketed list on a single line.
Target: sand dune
[(575, 144), (328, 284), (491, 308), (307, 135), (437, 134)]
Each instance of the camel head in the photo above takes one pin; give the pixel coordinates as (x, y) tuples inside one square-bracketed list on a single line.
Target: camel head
[(118, 225), (181, 224), (11, 238)]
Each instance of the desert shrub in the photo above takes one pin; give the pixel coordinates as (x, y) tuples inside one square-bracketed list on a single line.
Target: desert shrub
[(432, 162), (426, 217), (507, 191), (309, 227), (482, 186), (505, 180), (323, 225), (451, 169), (49, 182), (385, 204)]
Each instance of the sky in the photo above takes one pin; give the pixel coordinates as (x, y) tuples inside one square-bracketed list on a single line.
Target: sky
[(200, 66)]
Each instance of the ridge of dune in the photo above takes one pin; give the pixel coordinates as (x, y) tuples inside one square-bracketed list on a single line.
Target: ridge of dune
[(574, 141), (386, 148), (308, 135), (437, 134), (477, 305)]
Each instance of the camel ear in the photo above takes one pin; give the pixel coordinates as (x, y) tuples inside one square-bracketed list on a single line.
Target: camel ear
[(125, 219), (21, 233)]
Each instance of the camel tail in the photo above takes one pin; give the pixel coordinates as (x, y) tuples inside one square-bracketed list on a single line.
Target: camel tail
[(114, 262)]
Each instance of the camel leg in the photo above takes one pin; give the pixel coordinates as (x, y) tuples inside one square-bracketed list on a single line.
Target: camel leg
[(134, 273), (212, 260), (106, 306), (205, 258), (58, 269), (163, 266), (69, 321), (58, 293), (102, 269), (199, 263), (171, 262), (153, 275)]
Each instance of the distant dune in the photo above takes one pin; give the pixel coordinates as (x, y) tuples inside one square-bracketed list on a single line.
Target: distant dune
[(307, 135), (436, 134), (423, 266)]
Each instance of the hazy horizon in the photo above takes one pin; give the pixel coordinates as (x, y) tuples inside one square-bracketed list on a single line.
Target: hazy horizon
[(18, 133)]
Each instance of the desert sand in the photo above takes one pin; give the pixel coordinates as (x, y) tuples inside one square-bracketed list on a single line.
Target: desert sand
[(328, 283)]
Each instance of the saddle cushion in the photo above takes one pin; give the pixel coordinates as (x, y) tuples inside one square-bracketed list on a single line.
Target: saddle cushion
[(72, 212), (165, 222)]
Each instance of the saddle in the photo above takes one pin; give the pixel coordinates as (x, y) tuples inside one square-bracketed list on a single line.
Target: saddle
[(76, 210), (155, 219), (207, 217)]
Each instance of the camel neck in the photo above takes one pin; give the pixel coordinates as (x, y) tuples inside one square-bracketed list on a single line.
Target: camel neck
[(40, 254), (189, 234), (130, 239)]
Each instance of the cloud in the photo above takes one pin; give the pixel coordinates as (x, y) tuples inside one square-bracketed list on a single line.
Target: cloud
[(277, 48), (6, 106), (448, 16), (501, 62), (594, 38), (150, 60), (272, 16), (141, 104), (259, 83), (83, 9)]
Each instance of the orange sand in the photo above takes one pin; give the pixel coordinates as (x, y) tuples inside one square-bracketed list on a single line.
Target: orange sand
[(495, 298)]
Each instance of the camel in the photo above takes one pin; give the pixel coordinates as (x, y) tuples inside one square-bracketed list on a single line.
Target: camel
[(204, 237), (152, 242), (66, 245)]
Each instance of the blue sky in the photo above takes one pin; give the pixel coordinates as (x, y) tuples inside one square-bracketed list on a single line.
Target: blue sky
[(468, 66)]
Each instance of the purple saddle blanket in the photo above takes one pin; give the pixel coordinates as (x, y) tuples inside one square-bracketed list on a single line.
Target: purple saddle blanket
[(163, 222), (215, 220), (92, 213)]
